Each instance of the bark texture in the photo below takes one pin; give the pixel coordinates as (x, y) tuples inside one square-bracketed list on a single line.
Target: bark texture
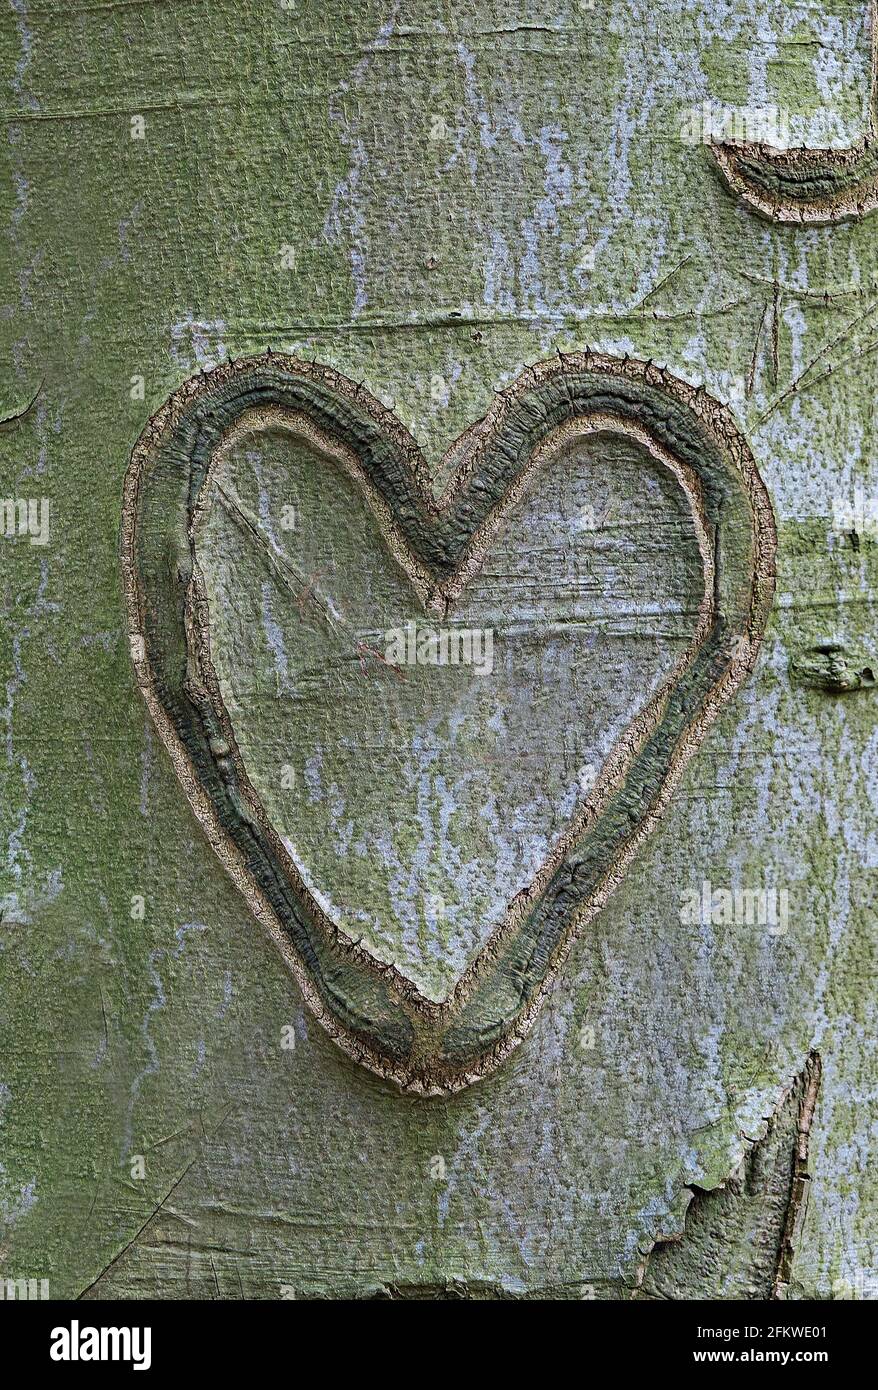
[(429, 200)]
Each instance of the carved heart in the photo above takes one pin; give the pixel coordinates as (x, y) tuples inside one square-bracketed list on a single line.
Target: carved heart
[(377, 705)]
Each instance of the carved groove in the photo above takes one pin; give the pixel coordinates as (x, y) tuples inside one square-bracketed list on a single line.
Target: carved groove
[(801, 185)]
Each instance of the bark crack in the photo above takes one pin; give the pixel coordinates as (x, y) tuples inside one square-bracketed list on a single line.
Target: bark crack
[(739, 1239)]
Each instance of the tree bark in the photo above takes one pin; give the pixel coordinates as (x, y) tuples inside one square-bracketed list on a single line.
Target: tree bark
[(429, 201)]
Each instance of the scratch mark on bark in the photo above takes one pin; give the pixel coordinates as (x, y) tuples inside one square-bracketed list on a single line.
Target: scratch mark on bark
[(820, 356), (660, 284), (751, 376), (139, 1232)]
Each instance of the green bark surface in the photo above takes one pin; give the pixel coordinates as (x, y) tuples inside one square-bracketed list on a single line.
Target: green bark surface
[(428, 200)]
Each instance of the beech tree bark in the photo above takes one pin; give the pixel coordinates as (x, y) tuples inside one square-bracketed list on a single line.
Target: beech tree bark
[(429, 201)]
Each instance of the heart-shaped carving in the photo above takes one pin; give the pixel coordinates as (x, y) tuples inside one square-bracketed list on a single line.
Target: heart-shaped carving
[(376, 702)]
